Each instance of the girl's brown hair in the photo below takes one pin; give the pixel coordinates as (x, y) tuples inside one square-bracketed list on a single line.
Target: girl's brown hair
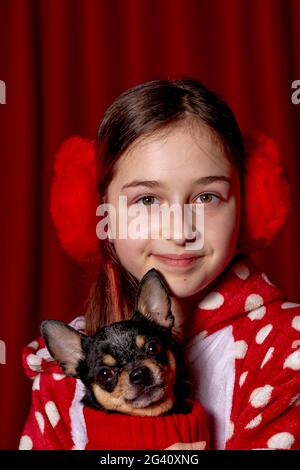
[(139, 112)]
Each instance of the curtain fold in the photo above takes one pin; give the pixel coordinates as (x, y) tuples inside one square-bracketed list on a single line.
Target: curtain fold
[(63, 62)]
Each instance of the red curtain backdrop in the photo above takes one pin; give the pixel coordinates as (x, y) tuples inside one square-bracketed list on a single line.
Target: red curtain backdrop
[(63, 62)]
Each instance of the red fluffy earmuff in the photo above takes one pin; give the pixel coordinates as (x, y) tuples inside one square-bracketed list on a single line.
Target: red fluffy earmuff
[(266, 201), (74, 198)]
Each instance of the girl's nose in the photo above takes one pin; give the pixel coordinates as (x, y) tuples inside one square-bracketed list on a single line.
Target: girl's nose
[(184, 225)]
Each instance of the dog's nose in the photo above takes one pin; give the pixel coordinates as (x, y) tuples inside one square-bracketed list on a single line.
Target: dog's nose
[(140, 376)]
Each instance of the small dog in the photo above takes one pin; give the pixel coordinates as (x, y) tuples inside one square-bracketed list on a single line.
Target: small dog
[(133, 366)]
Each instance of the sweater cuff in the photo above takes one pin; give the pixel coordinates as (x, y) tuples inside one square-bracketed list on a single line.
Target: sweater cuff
[(123, 432)]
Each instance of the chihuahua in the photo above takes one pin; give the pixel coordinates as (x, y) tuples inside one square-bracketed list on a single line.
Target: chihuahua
[(132, 366)]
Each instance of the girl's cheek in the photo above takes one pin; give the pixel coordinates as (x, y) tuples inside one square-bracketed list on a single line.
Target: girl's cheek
[(139, 224), (129, 250), (130, 222), (221, 222), (131, 254)]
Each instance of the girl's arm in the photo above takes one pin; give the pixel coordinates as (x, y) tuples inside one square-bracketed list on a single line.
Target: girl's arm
[(269, 429), (266, 403), (48, 423)]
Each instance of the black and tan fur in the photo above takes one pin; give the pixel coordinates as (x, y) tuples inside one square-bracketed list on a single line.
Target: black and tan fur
[(132, 366)]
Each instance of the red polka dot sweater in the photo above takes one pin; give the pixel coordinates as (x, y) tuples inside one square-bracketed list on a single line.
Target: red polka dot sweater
[(243, 354)]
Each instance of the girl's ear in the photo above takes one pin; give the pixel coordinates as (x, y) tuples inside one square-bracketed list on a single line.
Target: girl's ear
[(153, 300), (64, 345)]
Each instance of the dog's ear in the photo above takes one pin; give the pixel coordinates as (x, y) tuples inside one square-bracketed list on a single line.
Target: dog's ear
[(153, 300), (64, 345)]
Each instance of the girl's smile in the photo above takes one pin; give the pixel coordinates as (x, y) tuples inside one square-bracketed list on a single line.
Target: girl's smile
[(177, 261)]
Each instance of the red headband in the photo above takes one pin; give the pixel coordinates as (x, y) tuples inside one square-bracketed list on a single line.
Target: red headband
[(74, 197)]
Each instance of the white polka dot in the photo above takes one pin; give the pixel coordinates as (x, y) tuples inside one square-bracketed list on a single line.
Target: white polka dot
[(257, 314), (260, 396), (34, 362), (254, 422), (253, 301), (40, 421), (281, 440), (296, 344), (240, 349), (230, 431), (296, 323), (286, 305), (52, 413), (36, 382), (265, 278), (292, 361), (25, 443), (58, 376), (267, 357), (263, 333), (212, 301), (295, 401), (242, 271), (243, 377), (33, 344)]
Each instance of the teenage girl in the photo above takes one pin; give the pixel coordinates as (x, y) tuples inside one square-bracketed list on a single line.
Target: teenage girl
[(176, 142)]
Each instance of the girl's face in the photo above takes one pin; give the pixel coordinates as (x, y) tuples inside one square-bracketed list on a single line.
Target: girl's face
[(175, 160)]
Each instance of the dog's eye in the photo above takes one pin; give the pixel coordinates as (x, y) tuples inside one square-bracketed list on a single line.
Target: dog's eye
[(153, 348), (105, 374)]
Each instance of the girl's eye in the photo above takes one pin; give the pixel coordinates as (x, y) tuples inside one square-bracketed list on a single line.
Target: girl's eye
[(105, 374), (153, 348), (147, 200), (207, 197), (150, 200)]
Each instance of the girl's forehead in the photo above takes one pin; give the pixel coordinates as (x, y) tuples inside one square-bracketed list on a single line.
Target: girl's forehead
[(178, 151)]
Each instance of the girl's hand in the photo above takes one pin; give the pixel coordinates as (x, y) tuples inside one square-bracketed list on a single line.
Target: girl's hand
[(190, 446)]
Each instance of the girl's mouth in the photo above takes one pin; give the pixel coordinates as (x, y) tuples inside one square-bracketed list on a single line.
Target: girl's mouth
[(177, 261)]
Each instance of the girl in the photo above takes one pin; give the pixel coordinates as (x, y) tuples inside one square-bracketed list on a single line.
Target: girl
[(176, 142)]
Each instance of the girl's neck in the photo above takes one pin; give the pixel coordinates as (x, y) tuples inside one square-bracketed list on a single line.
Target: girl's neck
[(183, 308)]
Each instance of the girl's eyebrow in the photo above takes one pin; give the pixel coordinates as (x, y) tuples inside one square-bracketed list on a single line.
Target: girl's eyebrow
[(156, 184)]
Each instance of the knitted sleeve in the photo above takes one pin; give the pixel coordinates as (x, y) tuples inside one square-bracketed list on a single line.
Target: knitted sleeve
[(48, 422)]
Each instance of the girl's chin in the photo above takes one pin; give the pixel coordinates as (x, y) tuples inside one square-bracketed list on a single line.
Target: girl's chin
[(184, 285)]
